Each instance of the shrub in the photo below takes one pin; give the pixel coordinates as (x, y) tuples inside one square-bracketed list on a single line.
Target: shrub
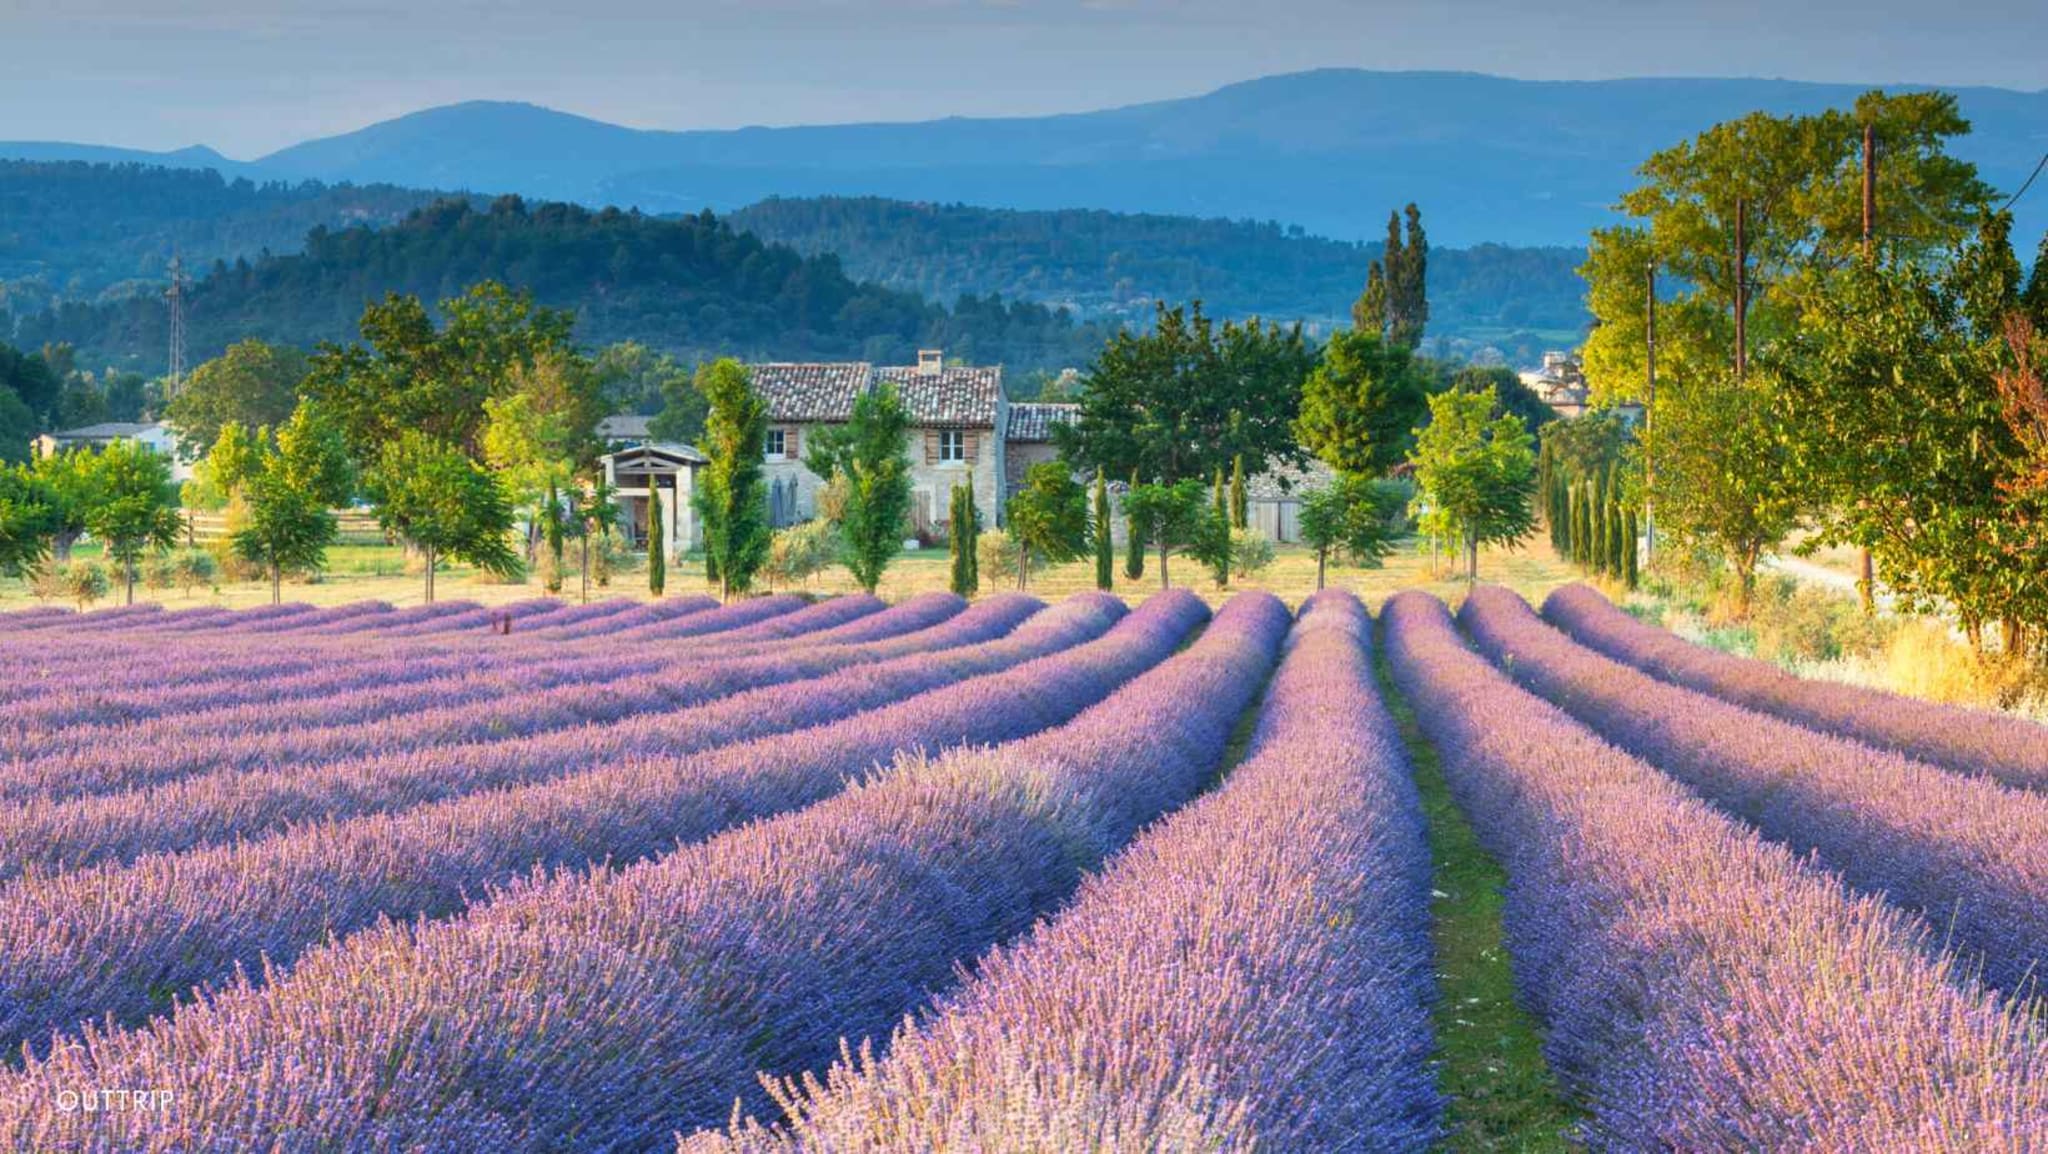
[(158, 574), (192, 569), (799, 553), (85, 582), (996, 552), (1250, 552)]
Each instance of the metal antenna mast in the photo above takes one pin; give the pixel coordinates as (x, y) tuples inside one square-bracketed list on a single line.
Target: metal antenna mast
[(175, 296)]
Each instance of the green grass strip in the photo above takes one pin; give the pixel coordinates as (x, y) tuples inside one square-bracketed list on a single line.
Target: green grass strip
[(1489, 1051)]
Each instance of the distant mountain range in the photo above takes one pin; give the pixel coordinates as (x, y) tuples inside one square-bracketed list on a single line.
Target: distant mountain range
[(1489, 159)]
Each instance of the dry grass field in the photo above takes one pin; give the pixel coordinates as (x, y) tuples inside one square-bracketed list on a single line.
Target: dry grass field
[(361, 572)]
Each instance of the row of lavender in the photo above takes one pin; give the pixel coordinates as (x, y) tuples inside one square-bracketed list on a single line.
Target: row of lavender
[(68, 685), (606, 1009), (244, 787), (1968, 853), (1704, 989), (1972, 741), (119, 939), (422, 711), (1252, 974)]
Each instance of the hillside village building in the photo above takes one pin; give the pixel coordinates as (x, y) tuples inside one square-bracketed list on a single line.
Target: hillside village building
[(962, 430), (154, 436)]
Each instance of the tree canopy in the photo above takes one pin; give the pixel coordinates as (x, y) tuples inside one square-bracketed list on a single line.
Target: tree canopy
[(868, 456), (1186, 398), (1476, 474)]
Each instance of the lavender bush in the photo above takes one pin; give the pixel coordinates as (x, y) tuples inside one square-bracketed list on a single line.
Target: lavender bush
[(602, 1011), (1702, 989), (446, 752), (1968, 853), (124, 940), (2010, 749), (1254, 973)]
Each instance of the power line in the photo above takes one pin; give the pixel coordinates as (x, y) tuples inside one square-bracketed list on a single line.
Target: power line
[(2029, 184)]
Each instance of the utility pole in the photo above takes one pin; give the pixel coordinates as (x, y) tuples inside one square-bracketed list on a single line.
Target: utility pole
[(1650, 414), (1741, 290), (1866, 587), (175, 297)]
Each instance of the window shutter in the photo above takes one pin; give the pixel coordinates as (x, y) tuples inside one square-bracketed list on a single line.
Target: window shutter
[(931, 446), (792, 443), (971, 445)]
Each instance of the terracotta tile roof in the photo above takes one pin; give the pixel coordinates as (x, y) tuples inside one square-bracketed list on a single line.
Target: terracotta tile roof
[(1032, 421), (954, 396), (811, 392)]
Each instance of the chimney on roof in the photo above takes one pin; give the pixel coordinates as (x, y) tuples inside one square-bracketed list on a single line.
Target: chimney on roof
[(930, 362)]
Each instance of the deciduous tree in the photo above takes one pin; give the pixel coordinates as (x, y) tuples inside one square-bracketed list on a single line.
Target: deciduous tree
[(430, 493), (1476, 474), (869, 452), (731, 498), (1048, 518)]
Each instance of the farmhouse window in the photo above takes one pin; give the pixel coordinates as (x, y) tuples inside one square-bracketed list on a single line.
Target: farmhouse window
[(777, 443), (952, 446)]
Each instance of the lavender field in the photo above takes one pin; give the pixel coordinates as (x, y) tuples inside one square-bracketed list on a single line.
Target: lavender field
[(1000, 875)]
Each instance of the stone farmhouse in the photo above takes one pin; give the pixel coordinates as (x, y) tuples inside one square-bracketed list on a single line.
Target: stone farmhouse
[(154, 436), (963, 429)]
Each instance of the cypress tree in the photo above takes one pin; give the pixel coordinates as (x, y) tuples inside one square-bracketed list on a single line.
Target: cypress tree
[(961, 540), (1600, 525), (1134, 545), (1630, 574), (1105, 549), (1571, 548), (552, 531), (1240, 504), (1585, 523), (657, 546), (1222, 501)]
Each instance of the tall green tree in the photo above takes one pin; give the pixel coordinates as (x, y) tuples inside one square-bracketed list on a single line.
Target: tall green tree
[(18, 426), (133, 508), (253, 384), (434, 496), (1360, 405), (1348, 519), (29, 518), (553, 533), (869, 453), (540, 431), (1176, 517), (731, 494), (1240, 503), (410, 375), (1395, 303), (1726, 480), (1896, 426), (69, 478), (289, 490), (1105, 548), (1048, 518), (1185, 398), (962, 540), (1475, 474), (1137, 534), (657, 540)]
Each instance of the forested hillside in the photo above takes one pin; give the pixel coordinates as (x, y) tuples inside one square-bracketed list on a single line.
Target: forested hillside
[(76, 231), (693, 286), (1117, 264)]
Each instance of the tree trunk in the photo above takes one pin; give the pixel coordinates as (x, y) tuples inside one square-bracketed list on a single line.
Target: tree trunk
[(2013, 635), (586, 566), (276, 583), (1023, 566), (60, 547), (1472, 557), (428, 553), (1163, 582), (128, 581), (1322, 556), (1745, 584), (1866, 588)]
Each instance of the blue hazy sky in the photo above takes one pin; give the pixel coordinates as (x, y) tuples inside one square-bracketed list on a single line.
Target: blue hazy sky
[(249, 76)]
